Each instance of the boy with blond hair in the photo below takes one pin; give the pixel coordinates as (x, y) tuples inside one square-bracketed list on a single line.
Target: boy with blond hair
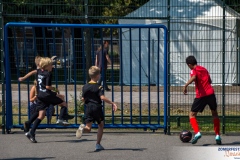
[(66, 116), (46, 96), (92, 95)]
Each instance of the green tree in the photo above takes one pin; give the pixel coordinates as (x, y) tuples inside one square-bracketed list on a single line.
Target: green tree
[(69, 11), (234, 4)]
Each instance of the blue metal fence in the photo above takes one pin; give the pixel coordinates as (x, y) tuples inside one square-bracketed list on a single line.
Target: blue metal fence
[(141, 104)]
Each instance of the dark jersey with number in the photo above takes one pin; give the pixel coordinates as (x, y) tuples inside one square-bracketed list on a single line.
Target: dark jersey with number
[(91, 93), (44, 78)]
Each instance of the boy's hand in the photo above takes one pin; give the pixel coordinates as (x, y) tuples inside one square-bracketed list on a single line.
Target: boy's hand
[(185, 90), (114, 107), (20, 79), (55, 90)]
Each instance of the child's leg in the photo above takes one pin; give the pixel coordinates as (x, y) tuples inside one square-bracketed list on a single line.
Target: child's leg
[(83, 129), (40, 117), (100, 132), (87, 128), (50, 112), (216, 122), (64, 112), (193, 122), (30, 121), (33, 117), (60, 96), (31, 135)]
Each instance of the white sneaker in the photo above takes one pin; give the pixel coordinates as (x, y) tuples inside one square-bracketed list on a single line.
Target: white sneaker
[(62, 122), (79, 131), (99, 147)]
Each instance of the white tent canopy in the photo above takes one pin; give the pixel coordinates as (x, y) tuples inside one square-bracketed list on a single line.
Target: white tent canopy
[(196, 28)]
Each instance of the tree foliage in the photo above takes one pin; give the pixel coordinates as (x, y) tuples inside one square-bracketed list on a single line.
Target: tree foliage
[(71, 10), (234, 4)]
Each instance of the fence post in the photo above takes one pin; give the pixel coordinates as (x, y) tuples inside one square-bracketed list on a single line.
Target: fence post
[(168, 74), (223, 70), (2, 69)]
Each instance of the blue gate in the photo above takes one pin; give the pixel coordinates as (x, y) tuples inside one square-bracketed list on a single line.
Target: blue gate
[(137, 75)]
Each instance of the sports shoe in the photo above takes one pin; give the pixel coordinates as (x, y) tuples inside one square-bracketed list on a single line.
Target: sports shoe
[(99, 147), (79, 131), (218, 140), (67, 117), (31, 137), (62, 122), (26, 126), (196, 138)]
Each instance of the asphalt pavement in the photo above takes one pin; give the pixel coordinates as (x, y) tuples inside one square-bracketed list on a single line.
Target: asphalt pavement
[(119, 145)]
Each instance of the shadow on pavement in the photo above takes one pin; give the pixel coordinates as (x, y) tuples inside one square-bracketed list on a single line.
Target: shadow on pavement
[(120, 149), (29, 158)]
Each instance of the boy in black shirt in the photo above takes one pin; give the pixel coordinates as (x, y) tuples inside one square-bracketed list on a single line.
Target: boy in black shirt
[(66, 116), (46, 95), (92, 95)]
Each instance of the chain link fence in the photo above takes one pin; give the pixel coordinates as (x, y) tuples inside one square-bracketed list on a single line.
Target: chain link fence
[(207, 29)]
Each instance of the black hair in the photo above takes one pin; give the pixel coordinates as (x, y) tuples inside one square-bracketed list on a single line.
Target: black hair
[(191, 60)]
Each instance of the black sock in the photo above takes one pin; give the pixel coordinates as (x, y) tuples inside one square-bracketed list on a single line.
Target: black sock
[(63, 111), (35, 125), (33, 118)]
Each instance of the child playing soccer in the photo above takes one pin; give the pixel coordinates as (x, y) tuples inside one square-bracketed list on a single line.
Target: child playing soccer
[(92, 95), (204, 96), (33, 103), (46, 96), (33, 117)]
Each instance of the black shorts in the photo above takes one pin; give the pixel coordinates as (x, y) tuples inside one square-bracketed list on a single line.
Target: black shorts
[(200, 103), (93, 112), (43, 102), (49, 112)]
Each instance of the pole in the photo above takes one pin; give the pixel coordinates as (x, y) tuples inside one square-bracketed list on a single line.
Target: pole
[(2, 69)]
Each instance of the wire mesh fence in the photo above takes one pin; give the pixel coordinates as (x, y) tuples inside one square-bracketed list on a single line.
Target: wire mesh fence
[(207, 29)]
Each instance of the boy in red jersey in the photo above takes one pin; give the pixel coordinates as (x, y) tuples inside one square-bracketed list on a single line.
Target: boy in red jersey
[(204, 96)]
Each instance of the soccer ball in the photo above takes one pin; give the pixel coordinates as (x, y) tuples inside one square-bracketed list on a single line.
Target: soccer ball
[(185, 136)]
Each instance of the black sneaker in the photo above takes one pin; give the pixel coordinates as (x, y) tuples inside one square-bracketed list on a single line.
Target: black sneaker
[(26, 126), (67, 117), (31, 137)]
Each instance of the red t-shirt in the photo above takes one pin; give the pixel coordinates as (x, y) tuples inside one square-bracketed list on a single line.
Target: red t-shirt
[(203, 85)]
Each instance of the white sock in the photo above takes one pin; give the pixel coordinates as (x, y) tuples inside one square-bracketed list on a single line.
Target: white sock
[(198, 134)]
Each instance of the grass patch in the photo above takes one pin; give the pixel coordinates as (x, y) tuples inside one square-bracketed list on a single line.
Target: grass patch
[(177, 122)]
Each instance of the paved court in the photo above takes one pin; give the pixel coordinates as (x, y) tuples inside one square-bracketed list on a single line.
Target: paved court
[(126, 145)]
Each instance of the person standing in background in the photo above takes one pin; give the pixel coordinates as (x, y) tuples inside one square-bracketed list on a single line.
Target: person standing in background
[(102, 60)]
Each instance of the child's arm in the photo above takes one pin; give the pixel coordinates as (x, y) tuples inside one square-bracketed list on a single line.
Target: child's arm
[(33, 96), (108, 59), (105, 99), (189, 82), (27, 75), (96, 60)]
